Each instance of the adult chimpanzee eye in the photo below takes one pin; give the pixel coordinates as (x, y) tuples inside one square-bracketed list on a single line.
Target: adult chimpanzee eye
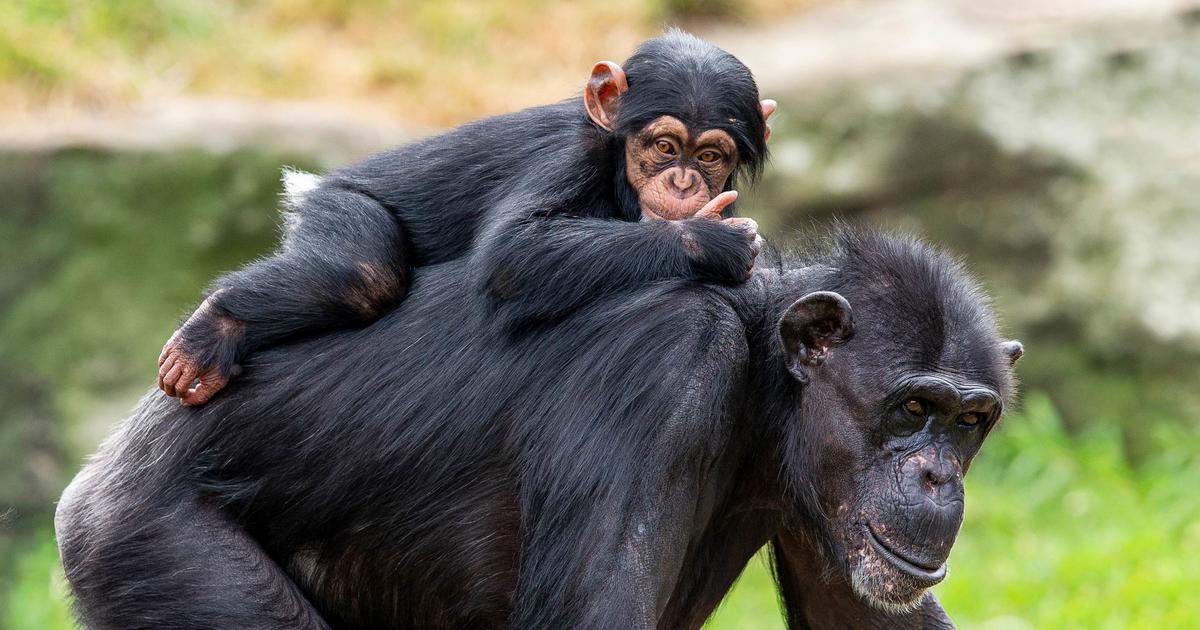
[(915, 406), (709, 156), (665, 147), (970, 419)]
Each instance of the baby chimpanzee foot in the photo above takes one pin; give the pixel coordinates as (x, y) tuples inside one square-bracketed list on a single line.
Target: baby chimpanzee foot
[(197, 361)]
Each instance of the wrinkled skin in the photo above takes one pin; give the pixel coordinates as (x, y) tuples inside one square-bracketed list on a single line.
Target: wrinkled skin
[(674, 173), (680, 177), (899, 533)]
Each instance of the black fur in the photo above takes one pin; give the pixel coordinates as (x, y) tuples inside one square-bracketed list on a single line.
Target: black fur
[(538, 198), (614, 470)]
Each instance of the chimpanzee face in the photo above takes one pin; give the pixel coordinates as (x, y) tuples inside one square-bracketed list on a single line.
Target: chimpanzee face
[(692, 120), (888, 426), (675, 171), (904, 508)]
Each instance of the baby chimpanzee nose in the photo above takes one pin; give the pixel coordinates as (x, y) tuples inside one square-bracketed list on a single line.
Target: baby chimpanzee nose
[(684, 180)]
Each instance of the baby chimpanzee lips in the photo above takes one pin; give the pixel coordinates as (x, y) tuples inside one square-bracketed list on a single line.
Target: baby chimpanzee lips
[(911, 568)]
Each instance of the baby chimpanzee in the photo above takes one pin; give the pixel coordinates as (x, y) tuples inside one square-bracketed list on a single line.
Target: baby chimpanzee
[(558, 205)]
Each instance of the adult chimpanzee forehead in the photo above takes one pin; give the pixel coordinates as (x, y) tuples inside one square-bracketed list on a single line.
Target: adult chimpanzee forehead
[(682, 76), (917, 311)]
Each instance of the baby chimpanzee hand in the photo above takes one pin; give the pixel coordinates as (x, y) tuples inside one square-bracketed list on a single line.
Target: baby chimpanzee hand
[(721, 249), (198, 359), (750, 228), (713, 209)]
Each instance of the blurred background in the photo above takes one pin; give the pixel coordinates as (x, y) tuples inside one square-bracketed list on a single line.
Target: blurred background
[(1054, 145)]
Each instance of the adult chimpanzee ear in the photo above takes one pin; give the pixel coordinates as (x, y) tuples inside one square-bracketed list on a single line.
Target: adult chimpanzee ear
[(812, 326), (604, 89), (1013, 349), (767, 107)]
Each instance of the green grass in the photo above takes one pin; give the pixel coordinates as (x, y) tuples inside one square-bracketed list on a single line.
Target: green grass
[(1060, 533), (37, 598)]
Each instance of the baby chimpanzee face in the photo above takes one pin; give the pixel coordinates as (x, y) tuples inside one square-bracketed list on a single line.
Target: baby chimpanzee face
[(676, 172), (681, 146)]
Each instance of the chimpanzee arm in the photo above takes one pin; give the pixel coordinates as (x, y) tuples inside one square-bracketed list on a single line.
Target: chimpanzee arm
[(544, 267), (343, 262), (605, 528)]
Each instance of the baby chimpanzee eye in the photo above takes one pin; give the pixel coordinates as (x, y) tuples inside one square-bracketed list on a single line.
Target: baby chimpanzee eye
[(709, 156), (915, 406), (665, 147)]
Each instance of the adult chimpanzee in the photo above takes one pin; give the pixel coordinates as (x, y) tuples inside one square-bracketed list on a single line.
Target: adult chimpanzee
[(616, 469), (531, 196)]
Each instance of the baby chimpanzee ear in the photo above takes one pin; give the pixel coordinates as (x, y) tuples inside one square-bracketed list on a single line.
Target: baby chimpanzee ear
[(767, 107), (811, 327), (603, 90)]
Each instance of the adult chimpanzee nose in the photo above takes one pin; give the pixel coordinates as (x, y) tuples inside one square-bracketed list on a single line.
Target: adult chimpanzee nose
[(932, 503), (937, 473), (934, 474)]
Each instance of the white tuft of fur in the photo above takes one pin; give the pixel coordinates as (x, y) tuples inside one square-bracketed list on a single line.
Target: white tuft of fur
[(867, 585), (305, 566), (296, 186)]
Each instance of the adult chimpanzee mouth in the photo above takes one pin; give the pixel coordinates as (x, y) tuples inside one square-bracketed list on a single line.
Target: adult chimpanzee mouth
[(911, 568)]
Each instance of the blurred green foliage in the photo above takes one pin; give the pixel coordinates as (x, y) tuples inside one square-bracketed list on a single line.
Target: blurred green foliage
[(93, 234), (37, 597)]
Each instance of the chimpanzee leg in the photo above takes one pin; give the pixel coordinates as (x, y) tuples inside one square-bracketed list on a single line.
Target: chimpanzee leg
[(170, 566), (343, 263)]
